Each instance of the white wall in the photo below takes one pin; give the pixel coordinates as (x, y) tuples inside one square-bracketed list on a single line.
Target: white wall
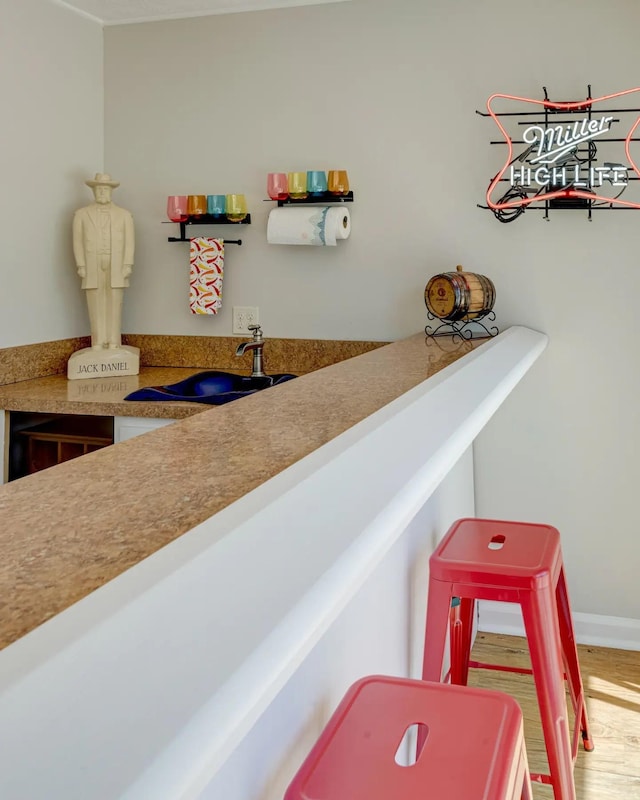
[(51, 85), (389, 92), (380, 631)]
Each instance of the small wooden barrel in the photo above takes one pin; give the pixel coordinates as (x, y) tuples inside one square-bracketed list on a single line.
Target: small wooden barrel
[(459, 295)]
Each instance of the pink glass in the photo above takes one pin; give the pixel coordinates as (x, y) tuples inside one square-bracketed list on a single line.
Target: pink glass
[(277, 185), (177, 207)]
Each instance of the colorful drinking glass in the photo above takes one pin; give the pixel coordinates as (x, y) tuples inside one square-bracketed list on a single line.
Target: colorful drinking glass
[(298, 185), (197, 205), (316, 182), (277, 185), (216, 205), (338, 182), (235, 207), (177, 207)]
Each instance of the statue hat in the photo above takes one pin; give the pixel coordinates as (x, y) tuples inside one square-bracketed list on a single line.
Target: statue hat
[(102, 179)]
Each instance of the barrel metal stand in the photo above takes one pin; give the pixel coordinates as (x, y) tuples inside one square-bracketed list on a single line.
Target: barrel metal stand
[(465, 328)]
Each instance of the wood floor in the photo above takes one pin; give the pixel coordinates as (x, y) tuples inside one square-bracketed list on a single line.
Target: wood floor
[(612, 685)]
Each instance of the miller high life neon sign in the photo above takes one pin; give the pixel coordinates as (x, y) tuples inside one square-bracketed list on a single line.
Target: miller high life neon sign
[(556, 160)]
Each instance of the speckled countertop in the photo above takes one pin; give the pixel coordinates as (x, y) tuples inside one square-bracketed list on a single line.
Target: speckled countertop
[(33, 377), (54, 394), (67, 530)]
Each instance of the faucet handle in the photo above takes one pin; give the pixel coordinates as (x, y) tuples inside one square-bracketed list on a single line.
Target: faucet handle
[(257, 332)]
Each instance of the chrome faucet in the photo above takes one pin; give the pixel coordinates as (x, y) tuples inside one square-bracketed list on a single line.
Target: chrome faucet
[(257, 345)]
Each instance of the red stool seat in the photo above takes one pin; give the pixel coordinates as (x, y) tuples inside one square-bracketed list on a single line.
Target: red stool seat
[(473, 746), (516, 562)]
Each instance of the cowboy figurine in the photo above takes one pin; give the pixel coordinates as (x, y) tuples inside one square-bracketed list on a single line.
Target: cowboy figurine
[(103, 247)]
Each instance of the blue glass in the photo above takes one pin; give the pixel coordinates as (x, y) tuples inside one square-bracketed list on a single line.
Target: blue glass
[(216, 205), (316, 183)]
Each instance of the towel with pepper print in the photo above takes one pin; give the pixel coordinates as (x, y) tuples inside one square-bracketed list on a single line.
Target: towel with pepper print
[(205, 276)]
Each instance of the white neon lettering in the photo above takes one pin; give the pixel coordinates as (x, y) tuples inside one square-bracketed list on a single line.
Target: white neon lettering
[(577, 182), (553, 143), (541, 176), (619, 177), (599, 175), (576, 176)]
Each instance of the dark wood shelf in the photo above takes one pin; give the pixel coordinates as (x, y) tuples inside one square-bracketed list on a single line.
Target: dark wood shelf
[(53, 442)]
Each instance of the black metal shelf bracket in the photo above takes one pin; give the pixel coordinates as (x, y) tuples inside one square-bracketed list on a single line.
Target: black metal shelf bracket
[(208, 219), (470, 327), (323, 199), (226, 241)]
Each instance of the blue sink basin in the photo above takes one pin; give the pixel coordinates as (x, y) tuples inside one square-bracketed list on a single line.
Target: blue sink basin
[(212, 387)]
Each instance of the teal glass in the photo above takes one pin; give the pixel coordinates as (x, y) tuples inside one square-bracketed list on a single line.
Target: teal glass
[(316, 183), (216, 205)]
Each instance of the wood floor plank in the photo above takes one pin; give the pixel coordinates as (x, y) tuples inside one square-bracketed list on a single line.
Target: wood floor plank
[(612, 688)]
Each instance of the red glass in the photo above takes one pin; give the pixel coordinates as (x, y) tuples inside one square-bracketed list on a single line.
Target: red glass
[(177, 207), (277, 185)]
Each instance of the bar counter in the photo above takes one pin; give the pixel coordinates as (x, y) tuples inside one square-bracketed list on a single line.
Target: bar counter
[(70, 529), (214, 586)]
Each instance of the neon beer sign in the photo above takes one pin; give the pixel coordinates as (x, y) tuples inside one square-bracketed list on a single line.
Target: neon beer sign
[(558, 159)]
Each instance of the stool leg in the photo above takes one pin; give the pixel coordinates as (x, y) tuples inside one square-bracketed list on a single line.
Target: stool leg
[(461, 630), (572, 665), (527, 791), (543, 636), (435, 635)]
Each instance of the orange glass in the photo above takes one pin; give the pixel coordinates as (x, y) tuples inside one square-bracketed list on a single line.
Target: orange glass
[(235, 207), (197, 205), (298, 185), (177, 207), (338, 182)]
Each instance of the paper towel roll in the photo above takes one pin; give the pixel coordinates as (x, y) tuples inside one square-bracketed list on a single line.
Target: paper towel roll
[(317, 225)]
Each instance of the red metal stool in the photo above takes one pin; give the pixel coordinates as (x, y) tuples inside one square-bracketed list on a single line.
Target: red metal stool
[(516, 562), (473, 745)]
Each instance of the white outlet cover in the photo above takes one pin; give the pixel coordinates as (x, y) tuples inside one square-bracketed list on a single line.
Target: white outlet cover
[(243, 316)]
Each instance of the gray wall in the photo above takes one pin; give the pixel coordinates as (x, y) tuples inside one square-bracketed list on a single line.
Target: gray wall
[(388, 91), (51, 85)]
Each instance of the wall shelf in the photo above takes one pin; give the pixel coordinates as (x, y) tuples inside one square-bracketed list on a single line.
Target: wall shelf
[(207, 219), (325, 198)]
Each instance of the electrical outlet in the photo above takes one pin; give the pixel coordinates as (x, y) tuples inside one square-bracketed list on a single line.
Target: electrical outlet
[(243, 316)]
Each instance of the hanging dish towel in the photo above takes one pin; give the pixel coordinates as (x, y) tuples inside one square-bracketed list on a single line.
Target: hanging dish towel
[(205, 279)]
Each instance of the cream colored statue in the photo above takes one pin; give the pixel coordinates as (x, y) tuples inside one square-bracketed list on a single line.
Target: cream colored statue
[(103, 247)]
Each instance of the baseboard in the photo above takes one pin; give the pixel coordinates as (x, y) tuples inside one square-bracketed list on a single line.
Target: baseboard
[(619, 632)]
